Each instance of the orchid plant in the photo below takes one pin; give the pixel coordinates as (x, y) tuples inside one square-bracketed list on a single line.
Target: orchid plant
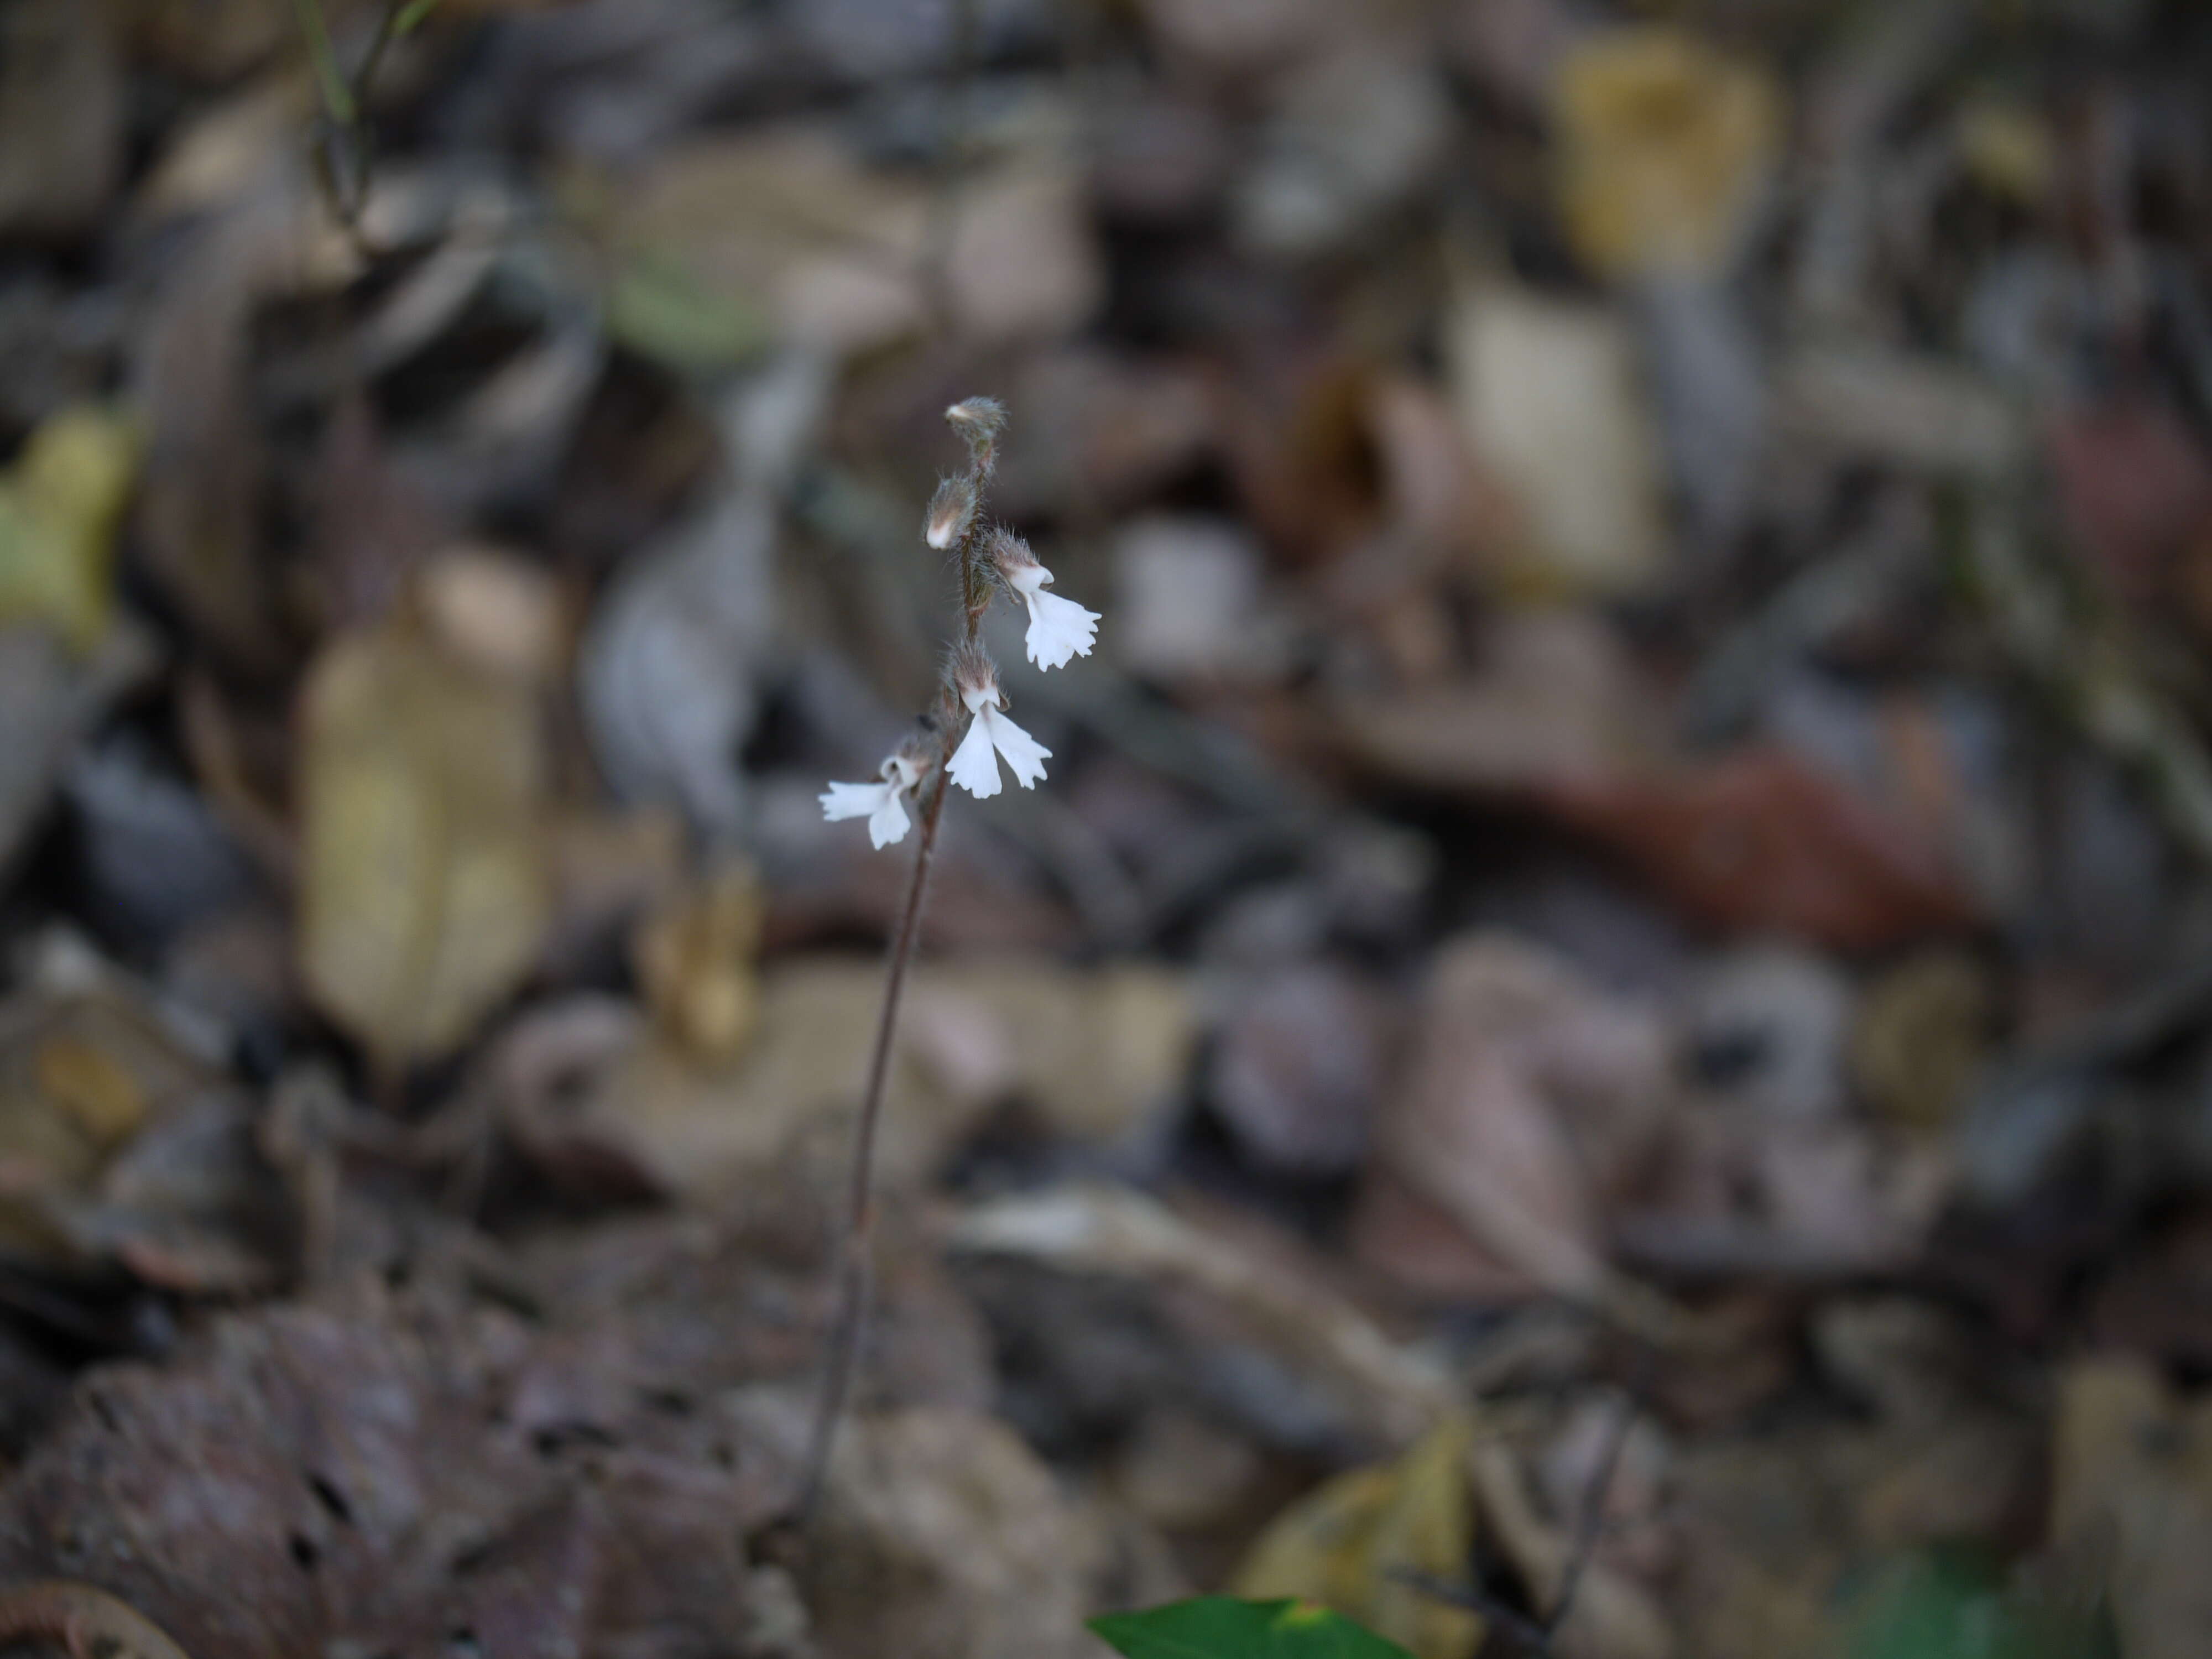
[(963, 742)]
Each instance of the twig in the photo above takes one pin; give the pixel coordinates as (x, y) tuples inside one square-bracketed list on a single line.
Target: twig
[(1538, 1636), (1591, 1520), (1532, 1636), (345, 157)]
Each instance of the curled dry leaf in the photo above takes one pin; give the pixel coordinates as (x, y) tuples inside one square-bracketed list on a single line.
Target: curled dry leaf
[(1532, 1097), (424, 889)]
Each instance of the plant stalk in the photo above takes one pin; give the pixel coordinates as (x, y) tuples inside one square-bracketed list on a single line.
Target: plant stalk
[(855, 1264)]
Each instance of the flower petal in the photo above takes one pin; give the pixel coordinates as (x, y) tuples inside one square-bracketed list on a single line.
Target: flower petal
[(974, 767), (1023, 753), (889, 822), (1059, 629), (853, 800)]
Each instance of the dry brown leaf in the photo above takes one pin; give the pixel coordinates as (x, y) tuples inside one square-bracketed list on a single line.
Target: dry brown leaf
[(424, 887), (944, 1537), (1250, 1286), (1531, 1096), (1761, 840), (1092, 1053), (1555, 699), (787, 220)]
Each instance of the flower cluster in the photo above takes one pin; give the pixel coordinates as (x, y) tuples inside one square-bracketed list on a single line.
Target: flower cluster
[(1059, 630)]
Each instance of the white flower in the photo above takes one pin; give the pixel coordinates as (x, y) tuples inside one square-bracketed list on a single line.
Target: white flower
[(1059, 629), (975, 768), (878, 803)]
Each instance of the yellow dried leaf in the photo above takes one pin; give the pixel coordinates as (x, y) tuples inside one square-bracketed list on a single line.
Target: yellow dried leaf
[(59, 507), (1664, 145), (1344, 1544), (101, 1095), (424, 890), (2008, 149), (698, 958)]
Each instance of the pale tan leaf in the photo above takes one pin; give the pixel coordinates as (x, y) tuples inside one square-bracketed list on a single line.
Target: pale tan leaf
[(424, 889)]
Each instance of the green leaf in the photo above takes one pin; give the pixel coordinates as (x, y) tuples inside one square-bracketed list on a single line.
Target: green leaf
[(1221, 1627), (337, 96), (660, 309), (1956, 1603), (410, 17)]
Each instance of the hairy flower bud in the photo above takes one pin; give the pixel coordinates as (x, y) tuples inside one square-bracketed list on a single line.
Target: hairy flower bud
[(951, 510), (979, 420)]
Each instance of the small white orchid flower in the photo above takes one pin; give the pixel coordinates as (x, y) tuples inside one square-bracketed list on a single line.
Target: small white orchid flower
[(1059, 629), (878, 803), (974, 767)]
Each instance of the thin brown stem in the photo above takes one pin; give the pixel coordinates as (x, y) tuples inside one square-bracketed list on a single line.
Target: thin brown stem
[(855, 1264), (855, 1259), (1591, 1520)]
